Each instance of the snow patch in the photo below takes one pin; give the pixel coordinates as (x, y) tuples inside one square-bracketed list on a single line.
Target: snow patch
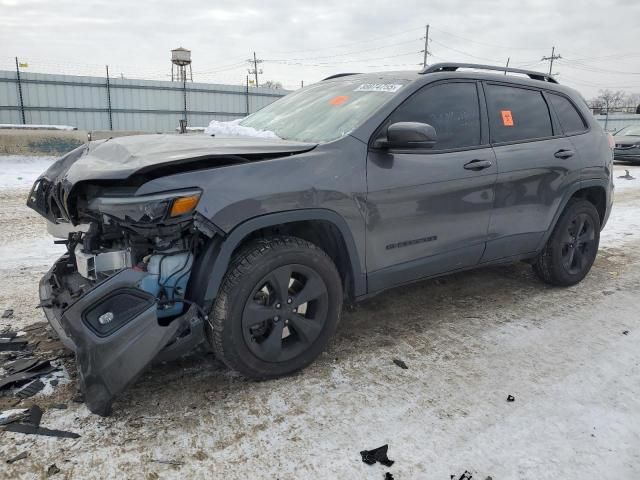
[(18, 171), (18, 126), (234, 129), (24, 254)]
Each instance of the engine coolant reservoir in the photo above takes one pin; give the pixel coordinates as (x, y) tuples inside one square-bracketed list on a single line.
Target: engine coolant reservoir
[(168, 271)]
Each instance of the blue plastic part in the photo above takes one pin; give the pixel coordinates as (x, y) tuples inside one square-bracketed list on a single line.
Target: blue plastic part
[(169, 272)]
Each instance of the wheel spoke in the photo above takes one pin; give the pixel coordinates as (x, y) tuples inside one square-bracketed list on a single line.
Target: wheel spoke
[(255, 313), (279, 280), (587, 236), (313, 289), (271, 346), (580, 222), (307, 329), (571, 254)]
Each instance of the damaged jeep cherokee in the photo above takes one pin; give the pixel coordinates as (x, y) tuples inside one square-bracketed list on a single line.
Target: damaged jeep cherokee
[(356, 184)]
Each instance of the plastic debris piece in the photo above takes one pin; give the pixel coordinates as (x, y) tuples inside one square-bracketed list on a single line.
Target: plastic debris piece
[(8, 313), (30, 390), (9, 416), (34, 416), (377, 455), (400, 363), (20, 378), (52, 470), (11, 344), (20, 456), (31, 430), (388, 476), (511, 398), (626, 332), (20, 365), (465, 476), (627, 176)]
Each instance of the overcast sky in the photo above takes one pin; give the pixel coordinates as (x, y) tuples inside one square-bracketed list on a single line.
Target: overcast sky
[(304, 40)]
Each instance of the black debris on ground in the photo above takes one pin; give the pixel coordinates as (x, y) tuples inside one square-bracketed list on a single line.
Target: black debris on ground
[(34, 416), (626, 332), (511, 398), (29, 429), (627, 176), (52, 470), (17, 379), (12, 344), (400, 363), (377, 455), (388, 476), (20, 456), (30, 390), (8, 313), (465, 476)]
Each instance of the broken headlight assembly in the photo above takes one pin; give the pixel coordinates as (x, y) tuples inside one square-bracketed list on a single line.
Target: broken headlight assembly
[(147, 209)]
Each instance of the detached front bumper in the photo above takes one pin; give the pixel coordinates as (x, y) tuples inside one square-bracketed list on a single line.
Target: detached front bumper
[(110, 354)]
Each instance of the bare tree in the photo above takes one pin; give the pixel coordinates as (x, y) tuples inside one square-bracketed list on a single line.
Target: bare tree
[(272, 84), (608, 100)]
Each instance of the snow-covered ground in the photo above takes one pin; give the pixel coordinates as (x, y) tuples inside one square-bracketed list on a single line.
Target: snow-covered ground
[(469, 340), (20, 172)]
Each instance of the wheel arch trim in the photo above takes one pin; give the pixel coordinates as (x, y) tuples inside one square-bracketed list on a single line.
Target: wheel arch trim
[(220, 250), (570, 192)]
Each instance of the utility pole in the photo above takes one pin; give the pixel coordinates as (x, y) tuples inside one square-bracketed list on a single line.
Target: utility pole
[(551, 59), (426, 47), (254, 71), (507, 65), (20, 92)]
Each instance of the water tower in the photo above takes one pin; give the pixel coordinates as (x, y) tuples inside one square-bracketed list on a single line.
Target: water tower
[(181, 58)]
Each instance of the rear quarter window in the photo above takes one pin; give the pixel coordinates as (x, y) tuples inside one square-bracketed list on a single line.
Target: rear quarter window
[(517, 114), (570, 119)]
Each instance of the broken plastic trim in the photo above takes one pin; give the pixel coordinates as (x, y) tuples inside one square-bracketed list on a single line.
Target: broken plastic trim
[(109, 364)]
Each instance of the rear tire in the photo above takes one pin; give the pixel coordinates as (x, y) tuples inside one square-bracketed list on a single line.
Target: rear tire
[(572, 248), (278, 307)]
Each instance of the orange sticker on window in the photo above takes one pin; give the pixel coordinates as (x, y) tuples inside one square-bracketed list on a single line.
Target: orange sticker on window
[(336, 101), (507, 119)]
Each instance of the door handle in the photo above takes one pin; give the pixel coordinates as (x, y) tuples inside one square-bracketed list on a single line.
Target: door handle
[(477, 165), (562, 153)]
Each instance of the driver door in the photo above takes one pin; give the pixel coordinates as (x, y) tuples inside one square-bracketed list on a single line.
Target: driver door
[(428, 210)]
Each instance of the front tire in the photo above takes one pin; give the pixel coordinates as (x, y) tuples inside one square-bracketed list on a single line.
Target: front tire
[(278, 307), (572, 248)]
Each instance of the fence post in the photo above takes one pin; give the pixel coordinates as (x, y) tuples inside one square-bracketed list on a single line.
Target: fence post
[(247, 94), (109, 100), (184, 92), (24, 122)]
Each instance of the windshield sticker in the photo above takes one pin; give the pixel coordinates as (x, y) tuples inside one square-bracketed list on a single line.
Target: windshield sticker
[(507, 119), (340, 100), (378, 87)]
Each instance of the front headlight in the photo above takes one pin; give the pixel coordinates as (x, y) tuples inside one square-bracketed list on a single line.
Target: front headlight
[(147, 209)]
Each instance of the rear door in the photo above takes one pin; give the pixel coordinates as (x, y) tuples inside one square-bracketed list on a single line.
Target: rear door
[(536, 163), (428, 210)]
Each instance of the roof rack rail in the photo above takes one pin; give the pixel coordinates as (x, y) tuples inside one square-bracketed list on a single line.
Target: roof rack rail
[(452, 67), (338, 75)]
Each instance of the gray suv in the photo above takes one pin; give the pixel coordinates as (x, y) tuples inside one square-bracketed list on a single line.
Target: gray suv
[(353, 185)]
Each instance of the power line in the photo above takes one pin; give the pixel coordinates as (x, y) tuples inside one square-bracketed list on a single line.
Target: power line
[(551, 59)]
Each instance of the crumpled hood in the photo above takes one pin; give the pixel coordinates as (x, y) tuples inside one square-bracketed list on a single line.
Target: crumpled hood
[(119, 158)]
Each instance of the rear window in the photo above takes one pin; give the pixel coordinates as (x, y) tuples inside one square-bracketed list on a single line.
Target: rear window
[(570, 120), (517, 114)]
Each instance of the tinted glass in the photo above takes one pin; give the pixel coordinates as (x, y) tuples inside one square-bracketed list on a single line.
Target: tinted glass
[(517, 114), (324, 111), (451, 108), (570, 119)]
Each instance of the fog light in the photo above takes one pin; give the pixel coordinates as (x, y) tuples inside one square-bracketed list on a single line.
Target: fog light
[(105, 318)]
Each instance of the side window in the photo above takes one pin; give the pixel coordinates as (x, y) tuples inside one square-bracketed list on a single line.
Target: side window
[(570, 120), (517, 114), (451, 108)]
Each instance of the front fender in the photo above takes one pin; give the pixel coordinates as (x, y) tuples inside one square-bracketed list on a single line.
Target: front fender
[(214, 261)]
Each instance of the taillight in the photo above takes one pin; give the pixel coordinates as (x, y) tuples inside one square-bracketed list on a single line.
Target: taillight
[(612, 142)]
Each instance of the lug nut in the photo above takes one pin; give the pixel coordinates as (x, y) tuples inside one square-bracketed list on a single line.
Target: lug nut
[(295, 310), (289, 300), (277, 305), (276, 319)]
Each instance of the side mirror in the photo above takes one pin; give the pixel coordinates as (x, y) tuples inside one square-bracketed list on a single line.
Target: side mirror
[(408, 135)]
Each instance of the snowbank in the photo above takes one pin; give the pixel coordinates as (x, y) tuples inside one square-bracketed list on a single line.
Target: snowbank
[(17, 171), (233, 129), (19, 126)]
